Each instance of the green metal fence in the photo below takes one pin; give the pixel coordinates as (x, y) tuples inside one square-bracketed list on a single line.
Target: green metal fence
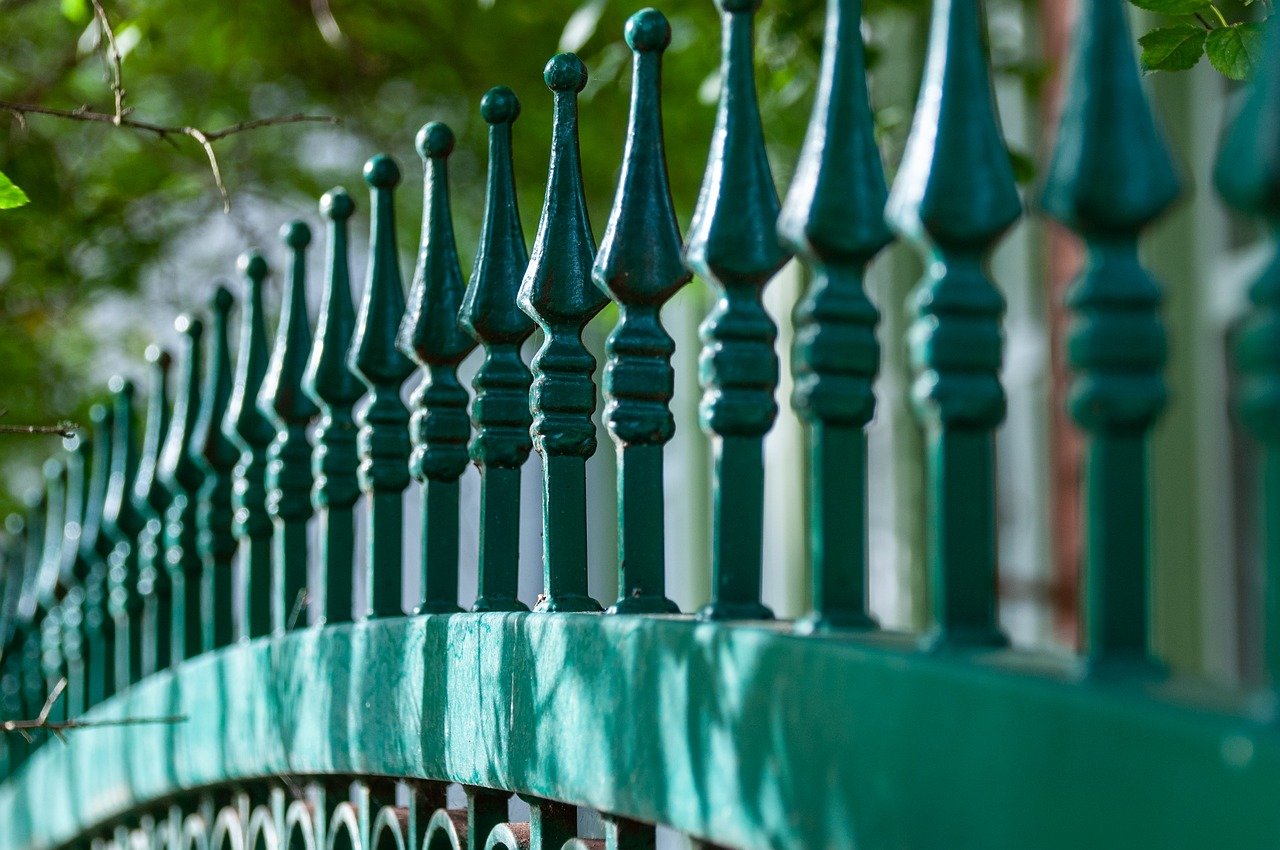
[(248, 684)]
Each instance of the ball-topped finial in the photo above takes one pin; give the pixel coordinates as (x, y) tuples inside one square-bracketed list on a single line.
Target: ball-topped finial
[(296, 234), (500, 106), (252, 265), (381, 172), (120, 385), (188, 325), (156, 354), (222, 299), (52, 468), (648, 31), (98, 414), (735, 7), (565, 72), (14, 524), (434, 139), (336, 204)]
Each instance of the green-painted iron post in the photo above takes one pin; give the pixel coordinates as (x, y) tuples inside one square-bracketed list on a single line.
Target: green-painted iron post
[(431, 336), (335, 389), (95, 546), (954, 196), (47, 581), (151, 499), (733, 245), (558, 294), (1112, 175), (290, 410), (75, 572), (640, 266), (500, 412), (123, 523)]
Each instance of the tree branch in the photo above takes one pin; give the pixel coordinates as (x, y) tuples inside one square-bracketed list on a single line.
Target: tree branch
[(59, 728), (62, 429), (112, 57)]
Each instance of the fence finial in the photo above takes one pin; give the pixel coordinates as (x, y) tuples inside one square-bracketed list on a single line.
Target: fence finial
[(216, 456), (95, 546), (1248, 176), (557, 293), (733, 244), (290, 410), (500, 411), (641, 267), (122, 523), (833, 218), (250, 431), (1112, 175), (151, 499), (383, 442), (180, 473), (431, 336), (335, 389), (954, 196)]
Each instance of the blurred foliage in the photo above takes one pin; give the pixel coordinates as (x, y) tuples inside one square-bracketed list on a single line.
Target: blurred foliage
[(108, 205)]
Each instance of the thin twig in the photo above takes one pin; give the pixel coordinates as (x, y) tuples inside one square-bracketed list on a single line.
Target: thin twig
[(298, 605), (62, 429), (113, 58), (61, 727)]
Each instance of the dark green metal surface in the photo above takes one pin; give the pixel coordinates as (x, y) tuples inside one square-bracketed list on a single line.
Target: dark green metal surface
[(151, 499)]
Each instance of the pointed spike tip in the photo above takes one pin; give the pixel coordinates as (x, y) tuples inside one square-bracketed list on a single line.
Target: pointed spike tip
[(222, 299), (188, 325), (252, 265), (295, 234), (381, 172), (337, 205), (435, 139), (648, 31), (500, 106), (157, 355), (565, 72)]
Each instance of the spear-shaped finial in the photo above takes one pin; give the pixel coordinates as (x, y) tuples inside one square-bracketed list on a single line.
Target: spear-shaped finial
[(335, 389), (431, 335), (640, 266), (151, 499), (833, 219), (954, 196), (557, 293), (500, 411), (250, 431), (289, 458), (733, 244), (123, 522), (384, 433), (216, 456)]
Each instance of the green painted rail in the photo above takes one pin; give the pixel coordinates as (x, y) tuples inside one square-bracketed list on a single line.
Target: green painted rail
[(252, 680)]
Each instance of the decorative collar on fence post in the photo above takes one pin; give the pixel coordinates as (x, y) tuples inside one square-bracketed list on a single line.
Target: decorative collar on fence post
[(250, 431), (290, 410), (1112, 175), (151, 498), (954, 196), (557, 293), (178, 631), (430, 335), (335, 389), (1248, 176), (383, 441), (641, 267), (216, 456), (733, 244), (95, 546), (500, 411), (123, 522), (833, 218)]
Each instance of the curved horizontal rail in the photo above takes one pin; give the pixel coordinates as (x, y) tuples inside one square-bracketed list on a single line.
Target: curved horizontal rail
[(754, 735)]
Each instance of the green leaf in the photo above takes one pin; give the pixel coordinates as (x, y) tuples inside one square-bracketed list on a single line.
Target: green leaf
[(10, 195), (1236, 50), (1172, 7), (76, 11), (1176, 48)]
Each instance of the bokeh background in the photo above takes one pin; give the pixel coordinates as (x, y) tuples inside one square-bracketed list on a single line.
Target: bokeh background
[(125, 231)]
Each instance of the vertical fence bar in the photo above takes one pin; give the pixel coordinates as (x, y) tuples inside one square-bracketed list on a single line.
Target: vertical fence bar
[(289, 409), (1248, 176), (640, 266), (181, 633), (833, 218), (216, 457), (557, 293), (250, 431), (1111, 176), (383, 441), (75, 572), (123, 522), (335, 389), (31, 668), (430, 335), (500, 411), (151, 499), (733, 245), (95, 546), (954, 196), (47, 581)]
